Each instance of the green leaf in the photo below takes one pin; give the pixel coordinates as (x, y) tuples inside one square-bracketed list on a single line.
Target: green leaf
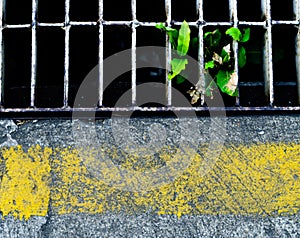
[(213, 38), (209, 84), (222, 79), (195, 42), (170, 29), (242, 57), (210, 64), (235, 33), (227, 82), (180, 79), (225, 51), (206, 34), (226, 58), (225, 54), (216, 37), (160, 26), (246, 35), (236, 93), (177, 66), (172, 33), (208, 92), (208, 79), (183, 39)]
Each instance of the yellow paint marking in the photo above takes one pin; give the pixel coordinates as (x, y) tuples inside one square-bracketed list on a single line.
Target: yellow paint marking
[(24, 187), (260, 179)]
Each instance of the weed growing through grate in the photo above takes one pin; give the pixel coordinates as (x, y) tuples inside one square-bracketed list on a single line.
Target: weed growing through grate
[(218, 56)]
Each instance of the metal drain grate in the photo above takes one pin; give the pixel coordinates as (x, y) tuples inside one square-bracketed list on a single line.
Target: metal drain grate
[(81, 35)]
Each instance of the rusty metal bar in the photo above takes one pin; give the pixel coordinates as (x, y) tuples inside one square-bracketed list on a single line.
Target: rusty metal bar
[(168, 54), (133, 50), (268, 64), (100, 54), (33, 52), (67, 28)]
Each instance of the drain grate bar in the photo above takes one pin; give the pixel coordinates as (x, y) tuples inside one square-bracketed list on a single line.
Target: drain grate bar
[(268, 66), (133, 50), (33, 52), (269, 82), (1, 51), (67, 28), (100, 53), (168, 54), (234, 20)]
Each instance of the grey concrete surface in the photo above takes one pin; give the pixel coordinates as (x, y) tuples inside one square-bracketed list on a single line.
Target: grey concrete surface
[(58, 133), (148, 225), (250, 129)]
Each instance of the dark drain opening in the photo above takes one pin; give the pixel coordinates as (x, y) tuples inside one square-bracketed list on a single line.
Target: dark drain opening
[(51, 80), (50, 67), (17, 58)]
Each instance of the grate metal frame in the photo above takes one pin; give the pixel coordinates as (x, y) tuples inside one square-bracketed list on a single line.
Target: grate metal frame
[(267, 23)]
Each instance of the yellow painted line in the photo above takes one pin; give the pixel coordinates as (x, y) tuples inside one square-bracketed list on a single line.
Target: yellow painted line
[(25, 183), (259, 179)]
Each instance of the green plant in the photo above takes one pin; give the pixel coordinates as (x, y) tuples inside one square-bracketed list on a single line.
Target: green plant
[(219, 60), (218, 57), (181, 42)]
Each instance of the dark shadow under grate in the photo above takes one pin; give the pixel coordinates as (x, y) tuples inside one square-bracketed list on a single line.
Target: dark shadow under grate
[(48, 47)]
